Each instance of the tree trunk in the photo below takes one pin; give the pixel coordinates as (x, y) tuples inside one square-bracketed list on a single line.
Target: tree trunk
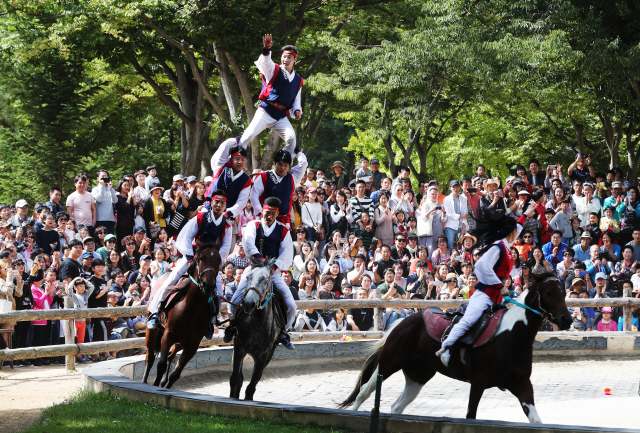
[(633, 154)]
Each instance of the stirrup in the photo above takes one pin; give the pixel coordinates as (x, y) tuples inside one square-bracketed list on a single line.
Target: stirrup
[(285, 341), (152, 321), (444, 356)]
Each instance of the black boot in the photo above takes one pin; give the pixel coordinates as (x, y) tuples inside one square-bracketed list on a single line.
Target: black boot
[(229, 333)]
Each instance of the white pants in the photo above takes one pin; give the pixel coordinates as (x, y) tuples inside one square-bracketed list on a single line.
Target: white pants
[(261, 121), (178, 271), (280, 286), (477, 304)]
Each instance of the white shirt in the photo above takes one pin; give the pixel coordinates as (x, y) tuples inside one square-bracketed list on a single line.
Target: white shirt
[(184, 243), (267, 68), (219, 160), (453, 219), (285, 254)]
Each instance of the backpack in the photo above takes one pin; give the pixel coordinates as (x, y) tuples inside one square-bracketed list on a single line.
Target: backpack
[(628, 219)]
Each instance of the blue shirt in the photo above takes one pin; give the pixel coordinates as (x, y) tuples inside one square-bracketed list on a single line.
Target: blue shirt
[(611, 201), (547, 250), (581, 255), (593, 270)]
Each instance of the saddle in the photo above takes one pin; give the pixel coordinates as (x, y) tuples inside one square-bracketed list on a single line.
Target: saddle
[(439, 324), (172, 297)]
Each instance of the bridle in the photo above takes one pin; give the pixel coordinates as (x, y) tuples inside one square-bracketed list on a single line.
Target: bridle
[(262, 295), (200, 273), (540, 311)]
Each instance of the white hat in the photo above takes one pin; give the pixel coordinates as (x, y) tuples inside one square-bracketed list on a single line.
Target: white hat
[(177, 177), (21, 203), (208, 179)]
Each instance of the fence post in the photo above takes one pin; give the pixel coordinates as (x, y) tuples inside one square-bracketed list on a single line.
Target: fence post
[(69, 330), (377, 312), (626, 311)]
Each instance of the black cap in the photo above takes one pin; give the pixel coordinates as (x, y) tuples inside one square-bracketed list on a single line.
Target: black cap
[(454, 183)]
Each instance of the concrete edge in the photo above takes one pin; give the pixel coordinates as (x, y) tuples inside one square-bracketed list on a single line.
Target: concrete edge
[(112, 376)]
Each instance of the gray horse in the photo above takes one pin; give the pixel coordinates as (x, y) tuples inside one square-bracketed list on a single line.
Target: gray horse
[(257, 328)]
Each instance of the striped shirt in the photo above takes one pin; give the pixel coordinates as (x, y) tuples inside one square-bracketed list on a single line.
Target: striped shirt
[(359, 205)]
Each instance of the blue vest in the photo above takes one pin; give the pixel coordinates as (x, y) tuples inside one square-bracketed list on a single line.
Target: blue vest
[(283, 190), (231, 188), (280, 91), (208, 231), (271, 243)]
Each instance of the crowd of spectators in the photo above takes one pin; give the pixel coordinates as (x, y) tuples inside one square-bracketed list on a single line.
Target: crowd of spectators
[(351, 235)]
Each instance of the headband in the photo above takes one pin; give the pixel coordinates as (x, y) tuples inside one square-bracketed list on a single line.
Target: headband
[(219, 197), (237, 154), (295, 56), (267, 207)]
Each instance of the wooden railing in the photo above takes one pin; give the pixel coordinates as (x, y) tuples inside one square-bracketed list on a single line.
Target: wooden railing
[(70, 349)]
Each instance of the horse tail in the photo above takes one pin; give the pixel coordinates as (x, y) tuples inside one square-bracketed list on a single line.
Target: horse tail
[(368, 368)]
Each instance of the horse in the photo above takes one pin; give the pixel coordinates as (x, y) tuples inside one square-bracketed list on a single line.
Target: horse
[(188, 321), (257, 328), (504, 362)]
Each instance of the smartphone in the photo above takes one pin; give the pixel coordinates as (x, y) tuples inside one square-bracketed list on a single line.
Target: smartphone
[(106, 179), (629, 194), (471, 190), (552, 167), (582, 273)]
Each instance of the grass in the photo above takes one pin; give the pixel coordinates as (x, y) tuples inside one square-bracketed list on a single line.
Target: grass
[(89, 413)]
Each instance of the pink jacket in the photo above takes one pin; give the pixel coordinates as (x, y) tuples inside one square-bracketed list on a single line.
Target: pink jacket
[(39, 298), (611, 326)]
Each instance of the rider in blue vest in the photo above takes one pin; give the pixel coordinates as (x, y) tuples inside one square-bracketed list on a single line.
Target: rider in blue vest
[(207, 227), (279, 183), (228, 175), (279, 97), (267, 239)]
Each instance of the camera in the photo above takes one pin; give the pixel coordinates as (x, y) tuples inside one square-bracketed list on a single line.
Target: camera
[(472, 190), (106, 179)]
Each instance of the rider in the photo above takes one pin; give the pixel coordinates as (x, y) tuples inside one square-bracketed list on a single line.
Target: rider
[(266, 239), (498, 231), (279, 183), (280, 95), (207, 227), (228, 175)]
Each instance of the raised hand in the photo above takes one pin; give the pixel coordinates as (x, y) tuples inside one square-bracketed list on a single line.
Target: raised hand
[(267, 41)]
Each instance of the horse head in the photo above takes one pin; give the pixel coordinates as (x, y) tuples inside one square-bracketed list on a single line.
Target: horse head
[(547, 295), (257, 288), (207, 264)]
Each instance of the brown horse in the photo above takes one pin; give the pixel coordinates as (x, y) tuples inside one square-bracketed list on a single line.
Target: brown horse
[(188, 321), (504, 362)]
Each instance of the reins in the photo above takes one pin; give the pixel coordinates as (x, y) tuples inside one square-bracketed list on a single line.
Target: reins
[(542, 313)]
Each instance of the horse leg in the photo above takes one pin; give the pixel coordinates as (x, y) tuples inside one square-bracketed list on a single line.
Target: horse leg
[(524, 392), (258, 367), (150, 343), (172, 355), (187, 353), (236, 377), (162, 361), (412, 386), (477, 389)]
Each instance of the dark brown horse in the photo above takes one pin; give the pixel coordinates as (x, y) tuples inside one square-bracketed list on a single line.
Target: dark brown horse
[(504, 362), (188, 321)]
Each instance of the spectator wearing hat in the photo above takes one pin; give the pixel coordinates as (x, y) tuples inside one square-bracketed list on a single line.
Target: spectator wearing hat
[(430, 217), (341, 178), (89, 246), (455, 206), (86, 259), (377, 175), (144, 269), (151, 178), (588, 205), (606, 324), (582, 249), (21, 217), (176, 185), (615, 200), (81, 206), (105, 197), (491, 203), (110, 242), (155, 209)]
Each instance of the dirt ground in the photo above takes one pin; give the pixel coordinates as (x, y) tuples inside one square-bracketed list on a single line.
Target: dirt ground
[(26, 391)]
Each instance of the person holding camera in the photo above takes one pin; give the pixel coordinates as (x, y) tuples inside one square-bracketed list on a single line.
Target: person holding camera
[(581, 169), (105, 197), (430, 216)]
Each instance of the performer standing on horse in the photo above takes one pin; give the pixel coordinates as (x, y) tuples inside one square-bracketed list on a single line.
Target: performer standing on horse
[(279, 183), (207, 227), (280, 95), (263, 240), (497, 231)]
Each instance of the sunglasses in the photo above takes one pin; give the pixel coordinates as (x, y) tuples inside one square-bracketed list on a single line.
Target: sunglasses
[(130, 243), (527, 237), (18, 264), (100, 233), (401, 240)]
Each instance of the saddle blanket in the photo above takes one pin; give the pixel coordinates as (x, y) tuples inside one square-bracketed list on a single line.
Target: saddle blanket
[(439, 325)]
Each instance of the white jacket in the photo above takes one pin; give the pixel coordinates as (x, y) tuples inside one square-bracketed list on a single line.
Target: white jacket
[(453, 219)]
